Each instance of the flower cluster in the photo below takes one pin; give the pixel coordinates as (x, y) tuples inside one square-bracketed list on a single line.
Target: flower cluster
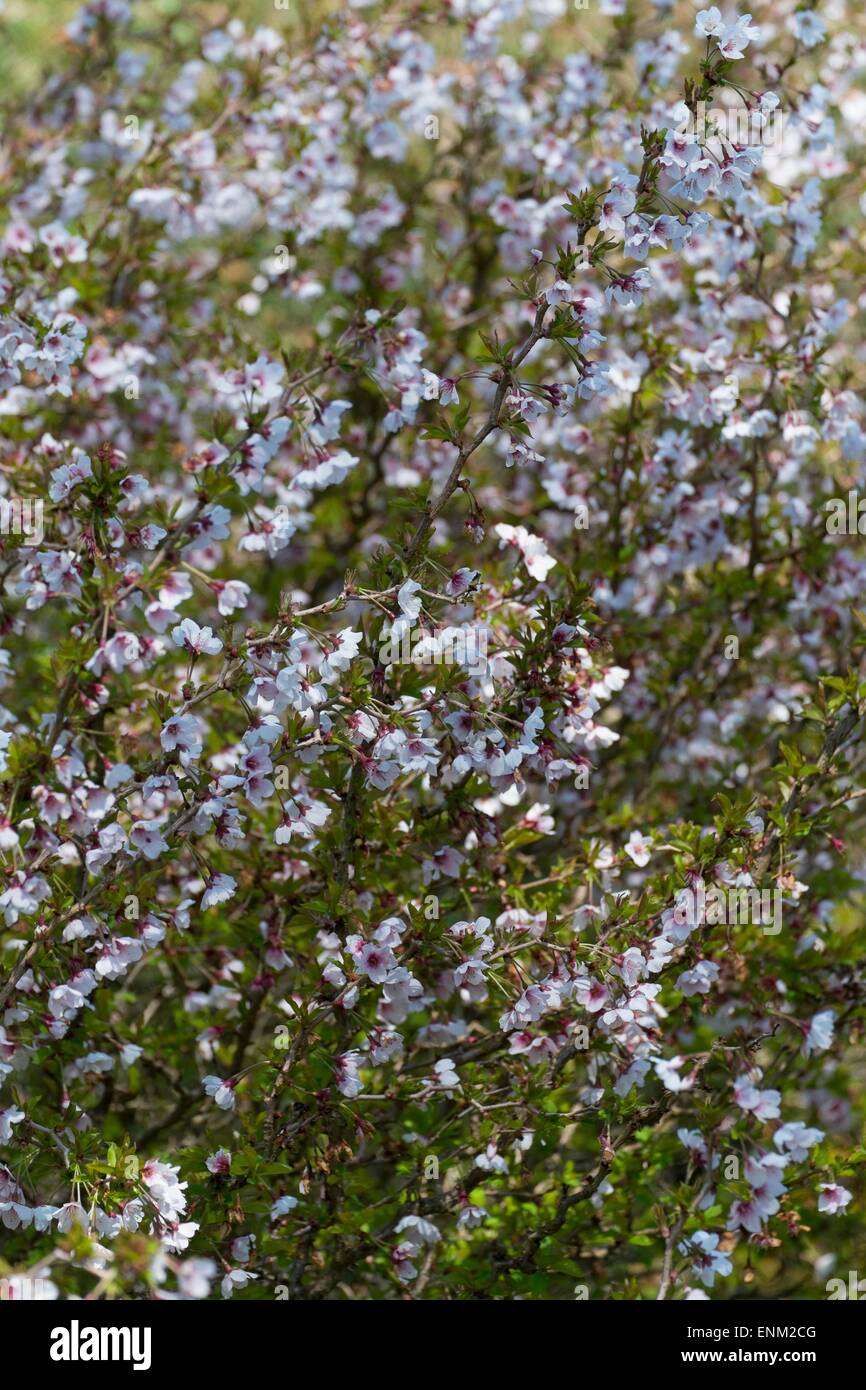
[(327, 970)]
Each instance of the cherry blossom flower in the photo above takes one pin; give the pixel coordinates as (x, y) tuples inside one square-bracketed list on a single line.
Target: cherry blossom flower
[(198, 640), (220, 1091), (708, 1260), (833, 1198), (820, 1033), (220, 889), (235, 1279), (638, 848)]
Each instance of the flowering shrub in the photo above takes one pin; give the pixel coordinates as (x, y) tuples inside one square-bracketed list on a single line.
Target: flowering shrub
[(431, 766)]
